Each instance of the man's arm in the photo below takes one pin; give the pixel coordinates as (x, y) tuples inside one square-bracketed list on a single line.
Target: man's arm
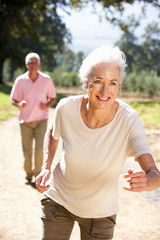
[(20, 104), (50, 102), (50, 147), (146, 180)]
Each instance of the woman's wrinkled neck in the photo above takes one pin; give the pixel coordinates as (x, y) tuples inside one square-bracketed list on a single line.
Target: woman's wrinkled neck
[(95, 118)]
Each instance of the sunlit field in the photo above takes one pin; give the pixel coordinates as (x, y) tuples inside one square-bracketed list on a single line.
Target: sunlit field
[(148, 111)]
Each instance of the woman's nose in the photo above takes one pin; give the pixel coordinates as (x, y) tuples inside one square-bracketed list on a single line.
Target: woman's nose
[(104, 89)]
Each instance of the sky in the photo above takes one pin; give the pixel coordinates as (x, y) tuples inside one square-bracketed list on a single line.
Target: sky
[(89, 33)]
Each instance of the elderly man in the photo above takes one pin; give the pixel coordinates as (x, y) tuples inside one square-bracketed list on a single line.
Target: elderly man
[(33, 93)]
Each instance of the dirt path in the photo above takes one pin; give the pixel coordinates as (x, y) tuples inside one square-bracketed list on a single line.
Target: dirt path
[(138, 217)]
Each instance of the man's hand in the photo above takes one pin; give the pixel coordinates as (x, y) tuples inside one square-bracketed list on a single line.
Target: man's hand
[(20, 104), (43, 106), (42, 179), (137, 180)]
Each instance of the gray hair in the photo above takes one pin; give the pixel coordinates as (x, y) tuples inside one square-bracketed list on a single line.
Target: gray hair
[(104, 54), (31, 55)]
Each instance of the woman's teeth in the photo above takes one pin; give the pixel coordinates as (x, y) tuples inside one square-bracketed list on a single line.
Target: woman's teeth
[(104, 99)]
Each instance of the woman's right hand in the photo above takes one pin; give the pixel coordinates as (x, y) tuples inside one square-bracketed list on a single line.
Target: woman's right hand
[(41, 180)]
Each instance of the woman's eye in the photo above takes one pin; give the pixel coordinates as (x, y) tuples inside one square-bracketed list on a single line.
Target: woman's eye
[(113, 83), (97, 81)]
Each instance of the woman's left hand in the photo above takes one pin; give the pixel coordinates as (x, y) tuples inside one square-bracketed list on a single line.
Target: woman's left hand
[(137, 180)]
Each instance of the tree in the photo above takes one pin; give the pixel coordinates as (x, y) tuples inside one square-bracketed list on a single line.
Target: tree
[(65, 74), (143, 60), (30, 26), (36, 26), (142, 55), (151, 46), (114, 9)]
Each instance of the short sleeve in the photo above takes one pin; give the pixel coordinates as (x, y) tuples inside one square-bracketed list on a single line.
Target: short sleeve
[(51, 89), (56, 132), (16, 91), (137, 144)]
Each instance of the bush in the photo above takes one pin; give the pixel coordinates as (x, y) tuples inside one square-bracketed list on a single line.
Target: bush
[(64, 79), (142, 82), (129, 84), (152, 84)]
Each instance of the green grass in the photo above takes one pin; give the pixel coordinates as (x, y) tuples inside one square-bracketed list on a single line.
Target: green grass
[(6, 109), (58, 98), (149, 112)]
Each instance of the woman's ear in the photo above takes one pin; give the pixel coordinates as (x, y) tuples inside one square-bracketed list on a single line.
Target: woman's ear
[(86, 85), (120, 89), (120, 84)]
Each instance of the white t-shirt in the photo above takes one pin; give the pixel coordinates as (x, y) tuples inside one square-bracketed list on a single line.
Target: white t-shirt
[(85, 181)]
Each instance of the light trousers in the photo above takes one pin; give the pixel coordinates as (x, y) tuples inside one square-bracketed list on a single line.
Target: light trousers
[(58, 222), (29, 132)]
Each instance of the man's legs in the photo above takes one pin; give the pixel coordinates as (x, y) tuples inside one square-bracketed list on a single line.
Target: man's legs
[(27, 141), (39, 132)]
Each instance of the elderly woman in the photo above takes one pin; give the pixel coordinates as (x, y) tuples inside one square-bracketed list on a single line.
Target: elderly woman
[(98, 132)]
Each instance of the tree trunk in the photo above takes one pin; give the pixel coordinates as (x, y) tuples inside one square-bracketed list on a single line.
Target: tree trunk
[(1, 72), (11, 72)]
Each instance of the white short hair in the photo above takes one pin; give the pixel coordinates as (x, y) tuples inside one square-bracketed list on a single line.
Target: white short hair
[(104, 54), (31, 55)]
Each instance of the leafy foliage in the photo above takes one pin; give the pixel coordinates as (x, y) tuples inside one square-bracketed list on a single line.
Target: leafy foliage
[(31, 26), (36, 26), (66, 72), (143, 60), (145, 52), (142, 83)]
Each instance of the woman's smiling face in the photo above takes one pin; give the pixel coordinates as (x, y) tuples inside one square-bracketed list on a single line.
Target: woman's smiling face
[(103, 85)]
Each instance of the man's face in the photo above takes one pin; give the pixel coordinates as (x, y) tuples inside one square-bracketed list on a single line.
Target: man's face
[(33, 65)]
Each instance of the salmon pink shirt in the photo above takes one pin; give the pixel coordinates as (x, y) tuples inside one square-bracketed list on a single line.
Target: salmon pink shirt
[(33, 93)]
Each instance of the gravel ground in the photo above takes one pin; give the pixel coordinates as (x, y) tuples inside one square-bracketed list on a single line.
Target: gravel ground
[(138, 216)]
